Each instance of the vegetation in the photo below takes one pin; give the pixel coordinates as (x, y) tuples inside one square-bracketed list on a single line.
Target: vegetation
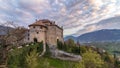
[(19, 57), (28, 57), (110, 47), (32, 59), (12, 37), (91, 59), (69, 46)]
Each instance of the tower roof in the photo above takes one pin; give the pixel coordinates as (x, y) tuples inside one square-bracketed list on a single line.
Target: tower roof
[(37, 23), (45, 23)]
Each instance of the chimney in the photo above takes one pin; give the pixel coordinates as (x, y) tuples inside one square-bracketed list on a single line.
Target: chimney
[(36, 20), (53, 22)]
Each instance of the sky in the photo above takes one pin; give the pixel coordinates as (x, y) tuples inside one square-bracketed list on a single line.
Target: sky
[(76, 16)]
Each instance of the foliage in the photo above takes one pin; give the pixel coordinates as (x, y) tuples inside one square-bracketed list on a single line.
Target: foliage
[(60, 45), (90, 59), (17, 57), (111, 47), (70, 42), (83, 49), (32, 59), (27, 57), (69, 46), (47, 53)]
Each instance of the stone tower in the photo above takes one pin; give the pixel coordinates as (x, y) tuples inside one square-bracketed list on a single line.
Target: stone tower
[(46, 31)]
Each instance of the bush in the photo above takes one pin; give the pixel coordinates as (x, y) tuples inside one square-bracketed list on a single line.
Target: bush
[(17, 57), (90, 59), (68, 46), (31, 59), (47, 53)]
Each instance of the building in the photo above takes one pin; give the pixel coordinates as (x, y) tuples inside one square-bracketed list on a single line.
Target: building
[(46, 31)]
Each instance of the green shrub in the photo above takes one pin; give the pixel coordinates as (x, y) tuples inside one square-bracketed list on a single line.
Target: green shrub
[(17, 57), (90, 59), (32, 59)]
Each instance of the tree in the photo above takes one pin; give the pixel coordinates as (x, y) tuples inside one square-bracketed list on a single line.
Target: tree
[(13, 35), (90, 59), (60, 45), (31, 59), (19, 34), (70, 42), (83, 49)]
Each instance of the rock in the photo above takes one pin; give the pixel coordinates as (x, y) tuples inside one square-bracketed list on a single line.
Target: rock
[(67, 56), (19, 47), (27, 45), (62, 55)]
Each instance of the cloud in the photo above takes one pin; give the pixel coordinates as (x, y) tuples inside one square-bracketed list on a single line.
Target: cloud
[(73, 15), (109, 23)]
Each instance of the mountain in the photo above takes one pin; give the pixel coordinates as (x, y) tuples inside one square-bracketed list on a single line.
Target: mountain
[(105, 35), (70, 37), (3, 29)]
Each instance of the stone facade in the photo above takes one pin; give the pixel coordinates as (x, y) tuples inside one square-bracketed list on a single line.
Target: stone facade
[(46, 31)]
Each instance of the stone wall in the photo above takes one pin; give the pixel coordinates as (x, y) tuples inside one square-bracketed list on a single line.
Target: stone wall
[(38, 33), (54, 33)]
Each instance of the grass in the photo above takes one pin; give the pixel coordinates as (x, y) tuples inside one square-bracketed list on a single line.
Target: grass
[(55, 63)]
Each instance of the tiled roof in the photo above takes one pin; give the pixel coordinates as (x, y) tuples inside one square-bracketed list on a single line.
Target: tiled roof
[(37, 23), (43, 23)]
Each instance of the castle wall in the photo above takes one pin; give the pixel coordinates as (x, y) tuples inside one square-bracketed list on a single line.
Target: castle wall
[(38, 33), (51, 35), (59, 34), (54, 33)]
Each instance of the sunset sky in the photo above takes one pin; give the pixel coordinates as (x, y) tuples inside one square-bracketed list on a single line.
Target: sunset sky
[(76, 16)]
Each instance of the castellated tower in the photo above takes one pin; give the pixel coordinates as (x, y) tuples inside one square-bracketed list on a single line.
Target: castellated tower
[(46, 31)]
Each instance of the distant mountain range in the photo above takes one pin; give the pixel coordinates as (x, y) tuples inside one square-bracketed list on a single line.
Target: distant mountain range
[(3, 29), (105, 35)]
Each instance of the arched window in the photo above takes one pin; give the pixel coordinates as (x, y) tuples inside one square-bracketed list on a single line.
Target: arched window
[(35, 40)]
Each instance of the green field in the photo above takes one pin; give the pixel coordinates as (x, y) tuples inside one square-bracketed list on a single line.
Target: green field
[(55, 63)]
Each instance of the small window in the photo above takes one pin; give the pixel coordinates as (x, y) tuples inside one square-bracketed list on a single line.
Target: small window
[(28, 34), (33, 26), (37, 32), (40, 27), (28, 38)]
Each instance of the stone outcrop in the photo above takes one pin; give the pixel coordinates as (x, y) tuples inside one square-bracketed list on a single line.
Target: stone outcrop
[(62, 55), (67, 56)]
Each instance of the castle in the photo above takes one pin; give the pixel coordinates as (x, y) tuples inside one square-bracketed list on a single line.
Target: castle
[(46, 31)]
